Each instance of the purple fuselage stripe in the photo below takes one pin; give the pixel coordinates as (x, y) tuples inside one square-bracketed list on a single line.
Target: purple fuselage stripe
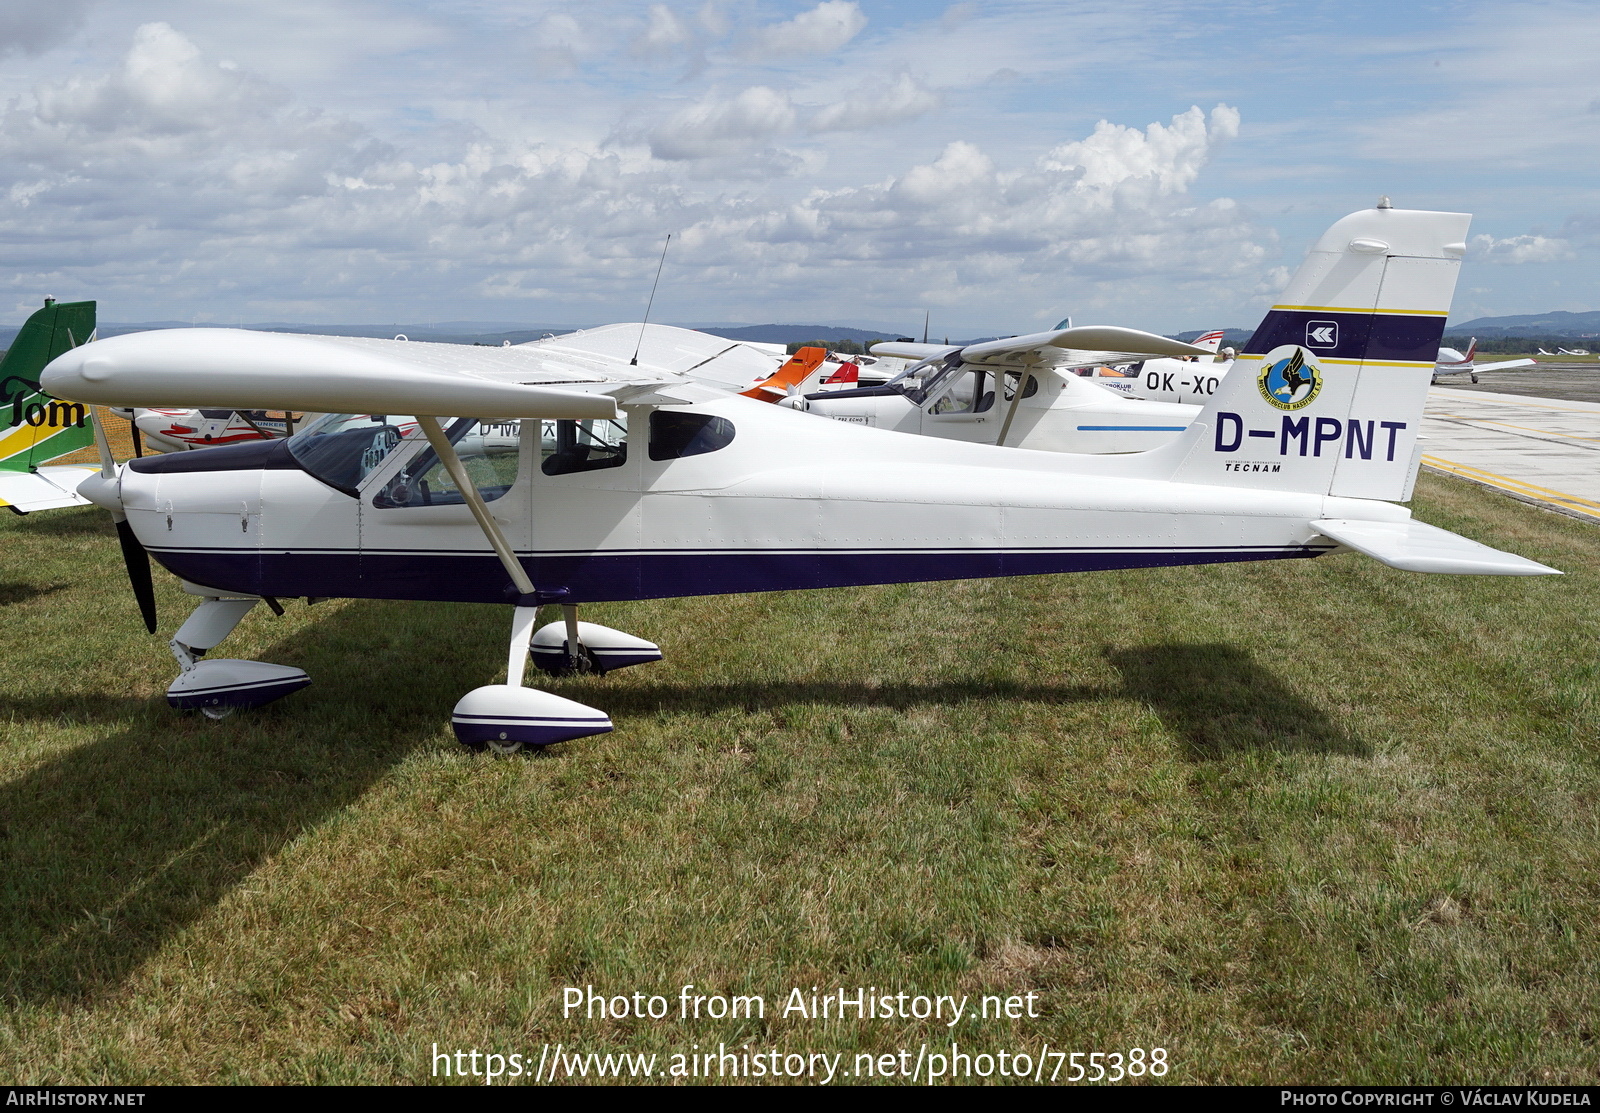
[(478, 578)]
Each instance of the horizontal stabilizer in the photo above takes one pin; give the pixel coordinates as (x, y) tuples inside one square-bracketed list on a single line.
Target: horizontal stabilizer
[(1418, 547), (49, 488)]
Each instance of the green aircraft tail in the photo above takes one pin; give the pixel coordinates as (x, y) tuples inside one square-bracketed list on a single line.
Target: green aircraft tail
[(34, 427)]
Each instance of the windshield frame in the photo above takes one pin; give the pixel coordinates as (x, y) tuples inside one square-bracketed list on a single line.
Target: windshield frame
[(922, 392)]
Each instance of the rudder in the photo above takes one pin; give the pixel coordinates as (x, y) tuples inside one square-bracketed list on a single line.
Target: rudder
[(1327, 395), (34, 426)]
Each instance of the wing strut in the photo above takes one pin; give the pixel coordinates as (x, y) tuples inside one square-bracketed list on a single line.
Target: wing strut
[(469, 491), (1023, 380)]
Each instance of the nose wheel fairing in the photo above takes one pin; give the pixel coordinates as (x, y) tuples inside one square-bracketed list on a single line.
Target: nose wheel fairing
[(236, 684), (224, 684)]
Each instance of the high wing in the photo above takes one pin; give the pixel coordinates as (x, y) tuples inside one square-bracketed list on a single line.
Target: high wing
[(734, 364), (240, 369), (1084, 346)]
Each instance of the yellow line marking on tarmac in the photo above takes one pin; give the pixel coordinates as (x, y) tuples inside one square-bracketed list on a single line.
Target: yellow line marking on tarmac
[(1508, 425), (1516, 486)]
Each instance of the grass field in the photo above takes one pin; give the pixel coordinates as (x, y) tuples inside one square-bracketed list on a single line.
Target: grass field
[(1307, 821)]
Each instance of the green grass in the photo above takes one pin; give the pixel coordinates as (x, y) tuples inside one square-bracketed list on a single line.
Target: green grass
[(1312, 821)]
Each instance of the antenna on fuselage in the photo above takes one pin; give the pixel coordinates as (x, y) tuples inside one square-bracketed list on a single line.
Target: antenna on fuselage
[(634, 362), (927, 315)]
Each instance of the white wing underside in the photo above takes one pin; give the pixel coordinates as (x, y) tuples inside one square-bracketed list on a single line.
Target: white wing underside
[(48, 488)]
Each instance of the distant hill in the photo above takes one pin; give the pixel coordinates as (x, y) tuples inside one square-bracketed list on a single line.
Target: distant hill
[(1558, 323)]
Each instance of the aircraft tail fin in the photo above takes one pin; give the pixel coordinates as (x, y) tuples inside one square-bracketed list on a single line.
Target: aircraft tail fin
[(793, 373), (34, 426), (1327, 395), (1211, 341)]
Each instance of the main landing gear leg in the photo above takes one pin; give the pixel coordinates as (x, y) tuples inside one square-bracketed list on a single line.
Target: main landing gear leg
[(569, 646), (577, 659), (219, 687)]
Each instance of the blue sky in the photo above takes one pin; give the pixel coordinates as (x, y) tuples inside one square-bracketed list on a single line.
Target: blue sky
[(1155, 164)]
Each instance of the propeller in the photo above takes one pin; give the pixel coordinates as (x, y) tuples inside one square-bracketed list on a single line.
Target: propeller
[(137, 562), (134, 557)]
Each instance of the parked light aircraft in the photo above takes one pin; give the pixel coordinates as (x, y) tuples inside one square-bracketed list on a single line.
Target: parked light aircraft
[(34, 427), (656, 485), (175, 429), (970, 392), (1572, 352), (1452, 362)]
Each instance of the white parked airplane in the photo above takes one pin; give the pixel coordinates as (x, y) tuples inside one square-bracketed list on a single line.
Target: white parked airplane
[(1188, 381), (655, 485), (970, 392), (1572, 352), (179, 429), (1452, 362)]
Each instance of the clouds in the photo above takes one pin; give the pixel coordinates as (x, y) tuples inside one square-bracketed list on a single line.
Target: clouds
[(171, 179), (27, 27), (724, 125), (1520, 249), (875, 103), (821, 30), (168, 181)]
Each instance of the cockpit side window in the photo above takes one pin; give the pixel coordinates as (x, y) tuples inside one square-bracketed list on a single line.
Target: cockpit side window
[(488, 451), (588, 445), (675, 434), (971, 392)]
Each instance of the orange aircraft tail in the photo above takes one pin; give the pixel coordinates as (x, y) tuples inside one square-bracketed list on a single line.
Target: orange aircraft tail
[(796, 371)]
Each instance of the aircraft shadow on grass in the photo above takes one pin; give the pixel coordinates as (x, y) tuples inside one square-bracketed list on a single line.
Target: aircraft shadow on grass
[(82, 522), (1220, 702), (21, 592), (112, 848), (108, 851)]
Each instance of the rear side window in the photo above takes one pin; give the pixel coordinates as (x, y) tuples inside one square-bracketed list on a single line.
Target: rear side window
[(675, 434)]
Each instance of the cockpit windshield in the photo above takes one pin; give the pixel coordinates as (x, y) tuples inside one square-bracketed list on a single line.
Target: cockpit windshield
[(343, 449), (920, 380)]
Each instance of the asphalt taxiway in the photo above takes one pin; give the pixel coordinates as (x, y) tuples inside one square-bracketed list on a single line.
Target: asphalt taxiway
[(1534, 435)]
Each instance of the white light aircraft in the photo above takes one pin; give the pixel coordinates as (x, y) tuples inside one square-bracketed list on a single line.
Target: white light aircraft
[(653, 485), (170, 429), (1451, 362), (970, 393)]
